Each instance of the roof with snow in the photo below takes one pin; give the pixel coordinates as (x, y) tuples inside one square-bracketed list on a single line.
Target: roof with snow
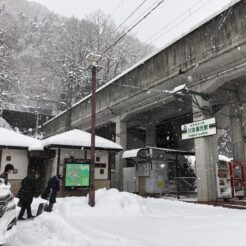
[(133, 153), (78, 139), (12, 139), (70, 139)]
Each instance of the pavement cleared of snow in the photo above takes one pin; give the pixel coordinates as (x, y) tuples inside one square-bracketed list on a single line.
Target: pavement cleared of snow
[(124, 219)]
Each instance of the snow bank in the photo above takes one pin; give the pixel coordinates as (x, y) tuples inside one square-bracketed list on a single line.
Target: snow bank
[(124, 219)]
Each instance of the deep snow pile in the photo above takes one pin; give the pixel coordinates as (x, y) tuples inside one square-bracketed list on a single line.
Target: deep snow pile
[(124, 219)]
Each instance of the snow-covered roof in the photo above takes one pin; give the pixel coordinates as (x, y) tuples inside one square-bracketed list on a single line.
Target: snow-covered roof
[(130, 153), (78, 138), (134, 152), (73, 138), (9, 138)]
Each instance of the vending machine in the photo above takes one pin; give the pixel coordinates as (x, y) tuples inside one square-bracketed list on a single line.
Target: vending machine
[(237, 178), (224, 189)]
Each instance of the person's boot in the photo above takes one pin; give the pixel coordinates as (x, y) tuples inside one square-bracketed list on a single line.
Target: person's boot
[(49, 208), (21, 218), (30, 216), (29, 213)]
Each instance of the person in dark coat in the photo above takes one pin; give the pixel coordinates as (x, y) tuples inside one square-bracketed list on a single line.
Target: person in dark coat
[(26, 193), (51, 191), (7, 170)]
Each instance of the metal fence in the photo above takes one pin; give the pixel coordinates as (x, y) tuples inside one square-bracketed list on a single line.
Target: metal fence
[(186, 185)]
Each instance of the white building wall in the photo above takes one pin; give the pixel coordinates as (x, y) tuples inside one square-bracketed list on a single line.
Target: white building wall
[(18, 159), (54, 164), (103, 158)]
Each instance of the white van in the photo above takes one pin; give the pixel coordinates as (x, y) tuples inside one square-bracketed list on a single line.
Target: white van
[(8, 216)]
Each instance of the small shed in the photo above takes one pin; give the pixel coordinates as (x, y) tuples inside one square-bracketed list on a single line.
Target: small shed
[(72, 158), (153, 170)]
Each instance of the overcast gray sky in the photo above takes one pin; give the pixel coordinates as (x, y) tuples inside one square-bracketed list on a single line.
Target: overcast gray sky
[(170, 20)]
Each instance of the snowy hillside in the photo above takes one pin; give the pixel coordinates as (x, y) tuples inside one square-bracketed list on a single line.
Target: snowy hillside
[(4, 124), (124, 219)]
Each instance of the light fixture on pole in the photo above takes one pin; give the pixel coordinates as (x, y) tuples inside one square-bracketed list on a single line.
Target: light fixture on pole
[(93, 59)]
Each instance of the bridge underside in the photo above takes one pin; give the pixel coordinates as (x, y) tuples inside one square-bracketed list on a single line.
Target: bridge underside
[(160, 126)]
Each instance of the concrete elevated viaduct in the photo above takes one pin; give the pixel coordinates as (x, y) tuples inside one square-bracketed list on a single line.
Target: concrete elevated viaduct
[(135, 109)]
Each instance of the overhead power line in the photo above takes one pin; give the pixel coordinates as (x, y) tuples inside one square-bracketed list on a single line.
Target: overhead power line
[(142, 14), (175, 19), (122, 2), (130, 15), (137, 23), (173, 26), (226, 14), (188, 10)]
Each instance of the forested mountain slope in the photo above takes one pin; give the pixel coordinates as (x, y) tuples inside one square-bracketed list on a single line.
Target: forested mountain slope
[(42, 55)]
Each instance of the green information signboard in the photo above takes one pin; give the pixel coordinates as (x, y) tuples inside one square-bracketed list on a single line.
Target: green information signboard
[(77, 175), (199, 129)]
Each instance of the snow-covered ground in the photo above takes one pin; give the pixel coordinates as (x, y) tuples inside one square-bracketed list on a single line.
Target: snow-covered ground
[(124, 219)]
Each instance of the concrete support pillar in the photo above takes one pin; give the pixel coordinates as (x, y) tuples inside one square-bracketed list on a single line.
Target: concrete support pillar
[(206, 149), (242, 99), (151, 135), (244, 135), (237, 132), (121, 138)]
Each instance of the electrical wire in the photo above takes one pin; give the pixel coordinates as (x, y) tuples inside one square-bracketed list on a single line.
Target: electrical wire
[(134, 25), (165, 93), (143, 13), (161, 91), (130, 15), (223, 19), (172, 21), (131, 28), (122, 2), (117, 28), (226, 14), (172, 27)]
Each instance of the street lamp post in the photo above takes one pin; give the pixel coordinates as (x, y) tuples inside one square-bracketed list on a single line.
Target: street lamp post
[(36, 127), (93, 59)]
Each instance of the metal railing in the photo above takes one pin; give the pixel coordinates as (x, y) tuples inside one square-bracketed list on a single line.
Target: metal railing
[(185, 185)]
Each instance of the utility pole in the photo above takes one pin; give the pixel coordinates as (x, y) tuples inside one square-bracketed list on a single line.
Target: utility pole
[(36, 126), (93, 59)]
